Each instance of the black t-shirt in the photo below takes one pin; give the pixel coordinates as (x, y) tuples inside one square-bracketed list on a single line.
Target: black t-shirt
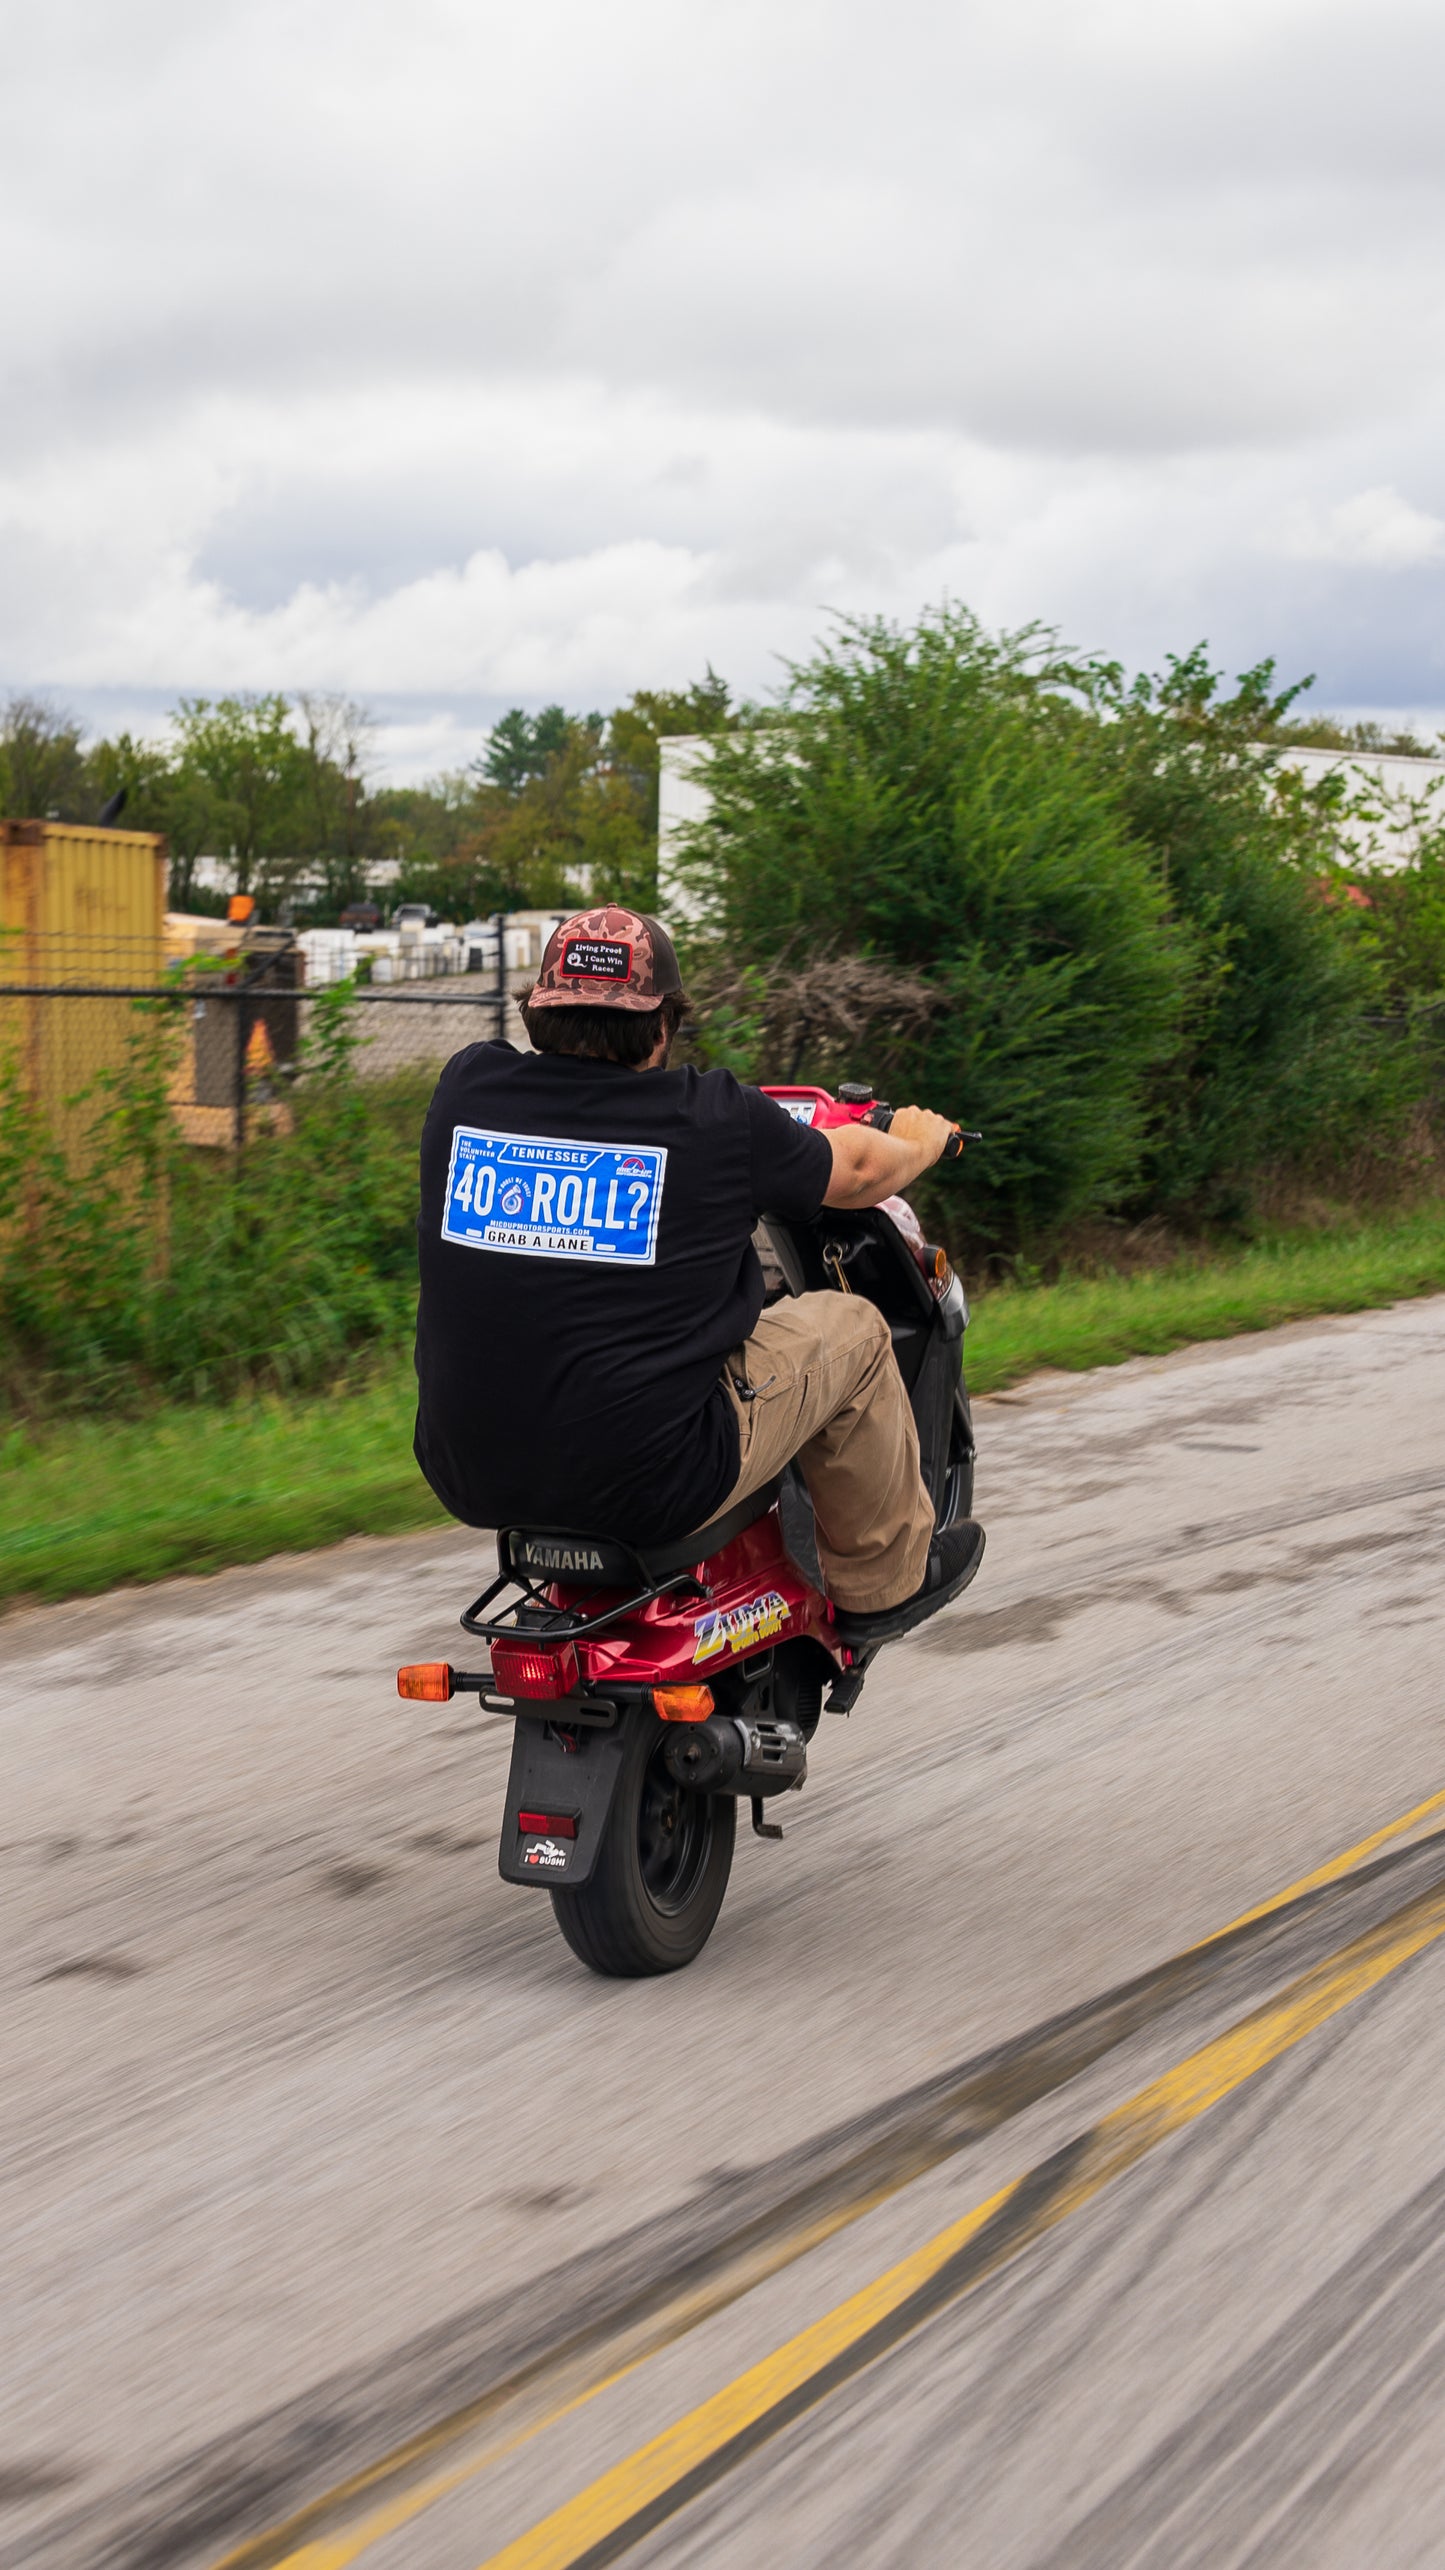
[(586, 1267)]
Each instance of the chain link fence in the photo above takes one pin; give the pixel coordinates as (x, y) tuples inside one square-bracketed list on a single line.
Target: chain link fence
[(233, 1036)]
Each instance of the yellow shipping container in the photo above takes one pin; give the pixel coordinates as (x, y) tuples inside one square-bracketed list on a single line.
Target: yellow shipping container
[(80, 909)]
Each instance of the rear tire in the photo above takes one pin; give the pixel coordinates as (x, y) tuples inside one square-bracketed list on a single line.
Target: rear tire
[(662, 1869)]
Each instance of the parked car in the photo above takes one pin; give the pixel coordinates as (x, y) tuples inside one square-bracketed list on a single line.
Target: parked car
[(360, 914), (413, 915)]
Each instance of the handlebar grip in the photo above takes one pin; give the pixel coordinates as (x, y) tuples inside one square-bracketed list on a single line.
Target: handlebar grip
[(882, 1117)]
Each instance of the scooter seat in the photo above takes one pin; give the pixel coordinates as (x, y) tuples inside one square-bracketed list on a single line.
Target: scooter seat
[(572, 1554), (661, 1560)]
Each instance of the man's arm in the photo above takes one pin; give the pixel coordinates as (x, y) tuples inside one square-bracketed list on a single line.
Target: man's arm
[(868, 1165)]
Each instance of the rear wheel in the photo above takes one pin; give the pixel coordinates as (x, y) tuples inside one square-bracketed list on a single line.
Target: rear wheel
[(661, 1871)]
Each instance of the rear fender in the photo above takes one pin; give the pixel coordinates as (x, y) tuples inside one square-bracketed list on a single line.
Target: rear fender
[(573, 1782)]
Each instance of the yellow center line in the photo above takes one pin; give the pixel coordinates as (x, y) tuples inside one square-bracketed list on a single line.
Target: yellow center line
[(286, 2547), (650, 2485), (339, 2550), (1331, 1871)]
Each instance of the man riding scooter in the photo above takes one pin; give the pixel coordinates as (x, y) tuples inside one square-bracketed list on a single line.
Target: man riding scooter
[(592, 1345)]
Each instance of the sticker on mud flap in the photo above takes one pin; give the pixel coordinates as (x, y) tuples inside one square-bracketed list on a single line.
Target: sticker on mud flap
[(548, 1854), (739, 1628), (535, 1197)]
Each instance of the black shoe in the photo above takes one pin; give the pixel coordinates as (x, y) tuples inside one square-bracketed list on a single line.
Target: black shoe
[(953, 1558)]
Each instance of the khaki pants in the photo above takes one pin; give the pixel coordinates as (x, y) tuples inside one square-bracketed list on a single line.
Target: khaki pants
[(818, 1380)]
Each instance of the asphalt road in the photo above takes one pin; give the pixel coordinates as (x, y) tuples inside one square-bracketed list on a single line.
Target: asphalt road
[(340, 2202)]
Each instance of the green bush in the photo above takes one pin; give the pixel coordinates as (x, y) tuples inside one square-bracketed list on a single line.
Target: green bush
[(1400, 908), (1283, 1059), (1407, 930), (129, 1260), (1112, 919), (924, 804)]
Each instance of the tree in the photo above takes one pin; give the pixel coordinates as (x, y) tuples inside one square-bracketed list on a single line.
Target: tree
[(338, 832), (561, 808), (575, 829), (420, 829), (926, 800), (1403, 922), (239, 762), (521, 744), (655, 714), (43, 773), (1282, 1059)]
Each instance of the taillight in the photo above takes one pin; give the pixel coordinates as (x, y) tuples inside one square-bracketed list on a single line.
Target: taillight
[(547, 1824), (427, 1682), (525, 1669), (933, 1264), (683, 1704)]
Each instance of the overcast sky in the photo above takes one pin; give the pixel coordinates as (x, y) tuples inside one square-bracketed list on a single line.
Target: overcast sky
[(454, 354)]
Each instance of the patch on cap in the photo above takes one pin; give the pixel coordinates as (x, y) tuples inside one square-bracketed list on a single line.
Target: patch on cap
[(597, 959)]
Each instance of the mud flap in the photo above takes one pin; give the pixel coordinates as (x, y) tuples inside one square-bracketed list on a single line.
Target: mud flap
[(558, 1775)]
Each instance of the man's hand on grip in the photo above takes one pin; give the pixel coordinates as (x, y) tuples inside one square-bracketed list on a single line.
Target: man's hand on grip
[(927, 1132)]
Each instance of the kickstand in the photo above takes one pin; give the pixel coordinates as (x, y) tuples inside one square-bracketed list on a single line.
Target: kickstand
[(763, 1828)]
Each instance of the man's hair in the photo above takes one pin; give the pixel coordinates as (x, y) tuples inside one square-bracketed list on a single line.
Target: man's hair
[(623, 1035)]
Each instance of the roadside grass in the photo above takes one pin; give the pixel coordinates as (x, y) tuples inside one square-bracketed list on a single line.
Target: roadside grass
[(1085, 1321), (87, 1506), (187, 1487)]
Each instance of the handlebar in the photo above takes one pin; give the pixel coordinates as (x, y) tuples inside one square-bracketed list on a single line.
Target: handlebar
[(854, 1104)]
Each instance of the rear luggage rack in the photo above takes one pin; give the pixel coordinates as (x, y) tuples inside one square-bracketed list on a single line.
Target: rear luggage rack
[(534, 1559), (531, 1612)]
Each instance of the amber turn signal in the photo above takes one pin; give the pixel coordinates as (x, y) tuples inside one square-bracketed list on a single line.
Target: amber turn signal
[(426, 1682), (683, 1704)]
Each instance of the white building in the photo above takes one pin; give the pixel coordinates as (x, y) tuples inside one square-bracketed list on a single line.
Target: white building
[(1401, 792), (682, 798)]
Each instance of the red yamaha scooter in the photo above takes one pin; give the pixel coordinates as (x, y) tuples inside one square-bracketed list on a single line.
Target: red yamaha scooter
[(652, 1687)]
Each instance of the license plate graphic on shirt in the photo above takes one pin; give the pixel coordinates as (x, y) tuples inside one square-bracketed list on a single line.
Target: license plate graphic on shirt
[(534, 1197)]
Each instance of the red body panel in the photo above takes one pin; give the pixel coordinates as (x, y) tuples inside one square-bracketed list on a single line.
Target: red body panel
[(758, 1597), (826, 1110)]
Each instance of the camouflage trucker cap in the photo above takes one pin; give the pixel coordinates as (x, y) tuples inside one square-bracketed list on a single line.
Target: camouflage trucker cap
[(607, 958)]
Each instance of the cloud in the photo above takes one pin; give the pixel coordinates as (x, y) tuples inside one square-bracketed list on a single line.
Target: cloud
[(1376, 529), (460, 353)]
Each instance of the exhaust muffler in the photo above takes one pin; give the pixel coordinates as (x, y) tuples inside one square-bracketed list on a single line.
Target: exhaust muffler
[(737, 1753)]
